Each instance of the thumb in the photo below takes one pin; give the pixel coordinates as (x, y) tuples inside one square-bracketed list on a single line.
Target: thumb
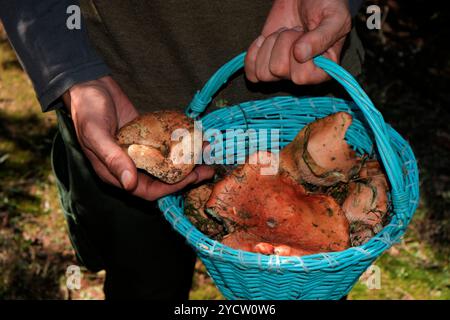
[(317, 41), (119, 164)]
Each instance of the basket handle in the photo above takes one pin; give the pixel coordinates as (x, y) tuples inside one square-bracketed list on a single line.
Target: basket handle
[(374, 118)]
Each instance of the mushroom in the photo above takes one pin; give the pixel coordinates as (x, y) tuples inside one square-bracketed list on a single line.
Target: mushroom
[(319, 155), (366, 205), (278, 209), (149, 142), (194, 208)]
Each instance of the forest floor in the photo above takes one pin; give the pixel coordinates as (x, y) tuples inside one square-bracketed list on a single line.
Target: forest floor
[(406, 76)]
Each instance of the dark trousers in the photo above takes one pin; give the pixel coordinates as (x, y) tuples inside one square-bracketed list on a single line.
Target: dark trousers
[(143, 256)]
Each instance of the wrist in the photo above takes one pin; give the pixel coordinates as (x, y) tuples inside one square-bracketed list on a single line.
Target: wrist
[(79, 88)]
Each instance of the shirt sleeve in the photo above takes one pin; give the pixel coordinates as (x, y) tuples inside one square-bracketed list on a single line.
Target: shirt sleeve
[(54, 56)]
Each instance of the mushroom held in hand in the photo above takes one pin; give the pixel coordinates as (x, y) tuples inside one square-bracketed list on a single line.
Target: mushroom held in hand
[(148, 141)]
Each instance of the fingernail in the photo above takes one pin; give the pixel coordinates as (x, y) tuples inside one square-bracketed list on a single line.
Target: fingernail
[(125, 179), (282, 29), (259, 41), (305, 51)]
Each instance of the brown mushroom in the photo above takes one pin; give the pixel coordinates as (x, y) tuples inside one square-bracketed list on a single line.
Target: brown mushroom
[(319, 154), (148, 141), (366, 205), (194, 208), (277, 209)]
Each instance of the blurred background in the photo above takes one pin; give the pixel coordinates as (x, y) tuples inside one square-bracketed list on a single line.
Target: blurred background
[(407, 75)]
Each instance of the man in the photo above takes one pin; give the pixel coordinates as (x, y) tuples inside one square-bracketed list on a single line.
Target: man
[(136, 56)]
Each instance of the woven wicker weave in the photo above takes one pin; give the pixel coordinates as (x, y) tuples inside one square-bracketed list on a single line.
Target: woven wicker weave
[(246, 275)]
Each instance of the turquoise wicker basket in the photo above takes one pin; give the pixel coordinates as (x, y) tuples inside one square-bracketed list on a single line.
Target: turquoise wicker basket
[(246, 275)]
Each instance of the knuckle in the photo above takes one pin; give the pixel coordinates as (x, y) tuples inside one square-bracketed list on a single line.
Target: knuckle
[(326, 41), (287, 37), (265, 78), (272, 37), (299, 77), (279, 68), (113, 159), (252, 78), (263, 75), (259, 75)]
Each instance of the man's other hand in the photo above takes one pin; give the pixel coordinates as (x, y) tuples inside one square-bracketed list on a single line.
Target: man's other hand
[(295, 32)]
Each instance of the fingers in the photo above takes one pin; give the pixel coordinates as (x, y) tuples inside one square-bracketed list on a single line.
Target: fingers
[(332, 28), (258, 58), (250, 59), (152, 189), (306, 73), (279, 62), (262, 68), (277, 56), (100, 142), (271, 58), (274, 60)]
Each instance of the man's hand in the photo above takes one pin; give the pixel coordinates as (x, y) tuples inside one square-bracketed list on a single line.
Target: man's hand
[(99, 108), (295, 32)]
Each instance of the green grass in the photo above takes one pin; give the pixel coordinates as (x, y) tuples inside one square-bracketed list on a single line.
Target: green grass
[(410, 270)]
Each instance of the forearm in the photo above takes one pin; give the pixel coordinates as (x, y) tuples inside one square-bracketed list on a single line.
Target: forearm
[(54, 56)]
